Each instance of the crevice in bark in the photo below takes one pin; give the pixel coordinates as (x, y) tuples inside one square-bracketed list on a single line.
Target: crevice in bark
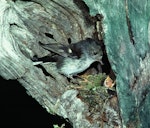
[(50, 35), (129, 24), (69, 40), (85, 11), (44, 71), (42, 23)]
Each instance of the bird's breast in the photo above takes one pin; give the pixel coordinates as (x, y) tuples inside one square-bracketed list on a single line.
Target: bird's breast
[(74, 66)]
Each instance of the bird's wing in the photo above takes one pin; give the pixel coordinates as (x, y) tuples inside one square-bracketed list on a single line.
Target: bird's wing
[(55, 48)]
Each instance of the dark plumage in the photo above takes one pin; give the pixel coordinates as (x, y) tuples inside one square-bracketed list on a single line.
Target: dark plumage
[(75, 58)]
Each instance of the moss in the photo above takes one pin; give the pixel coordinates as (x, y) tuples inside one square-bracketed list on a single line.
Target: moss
[(94, 94), (93, 81)]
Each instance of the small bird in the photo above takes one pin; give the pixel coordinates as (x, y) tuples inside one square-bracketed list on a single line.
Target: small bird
[(75, 58)]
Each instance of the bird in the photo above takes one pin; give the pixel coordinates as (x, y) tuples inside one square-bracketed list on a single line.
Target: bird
[(74, 58)]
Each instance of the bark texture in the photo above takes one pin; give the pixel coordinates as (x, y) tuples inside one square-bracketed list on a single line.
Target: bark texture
[(127, 40), (22, 25)]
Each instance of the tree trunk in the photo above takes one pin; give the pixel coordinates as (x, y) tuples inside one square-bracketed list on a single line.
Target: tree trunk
[(126, 38)]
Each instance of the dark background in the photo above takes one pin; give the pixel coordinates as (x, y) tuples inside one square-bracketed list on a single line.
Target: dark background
[(18, 109)]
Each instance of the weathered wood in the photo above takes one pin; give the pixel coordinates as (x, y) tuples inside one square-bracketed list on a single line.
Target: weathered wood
[(22, 25), (126, 28)]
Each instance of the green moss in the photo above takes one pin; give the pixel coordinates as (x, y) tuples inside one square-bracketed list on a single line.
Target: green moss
[(93, 81), (94, 93)]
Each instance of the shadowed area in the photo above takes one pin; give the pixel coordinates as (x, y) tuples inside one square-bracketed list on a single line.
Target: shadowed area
[(20, 110)]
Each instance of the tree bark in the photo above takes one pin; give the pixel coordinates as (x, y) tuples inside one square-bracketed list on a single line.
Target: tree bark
[(23, 25), (127, 41)]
